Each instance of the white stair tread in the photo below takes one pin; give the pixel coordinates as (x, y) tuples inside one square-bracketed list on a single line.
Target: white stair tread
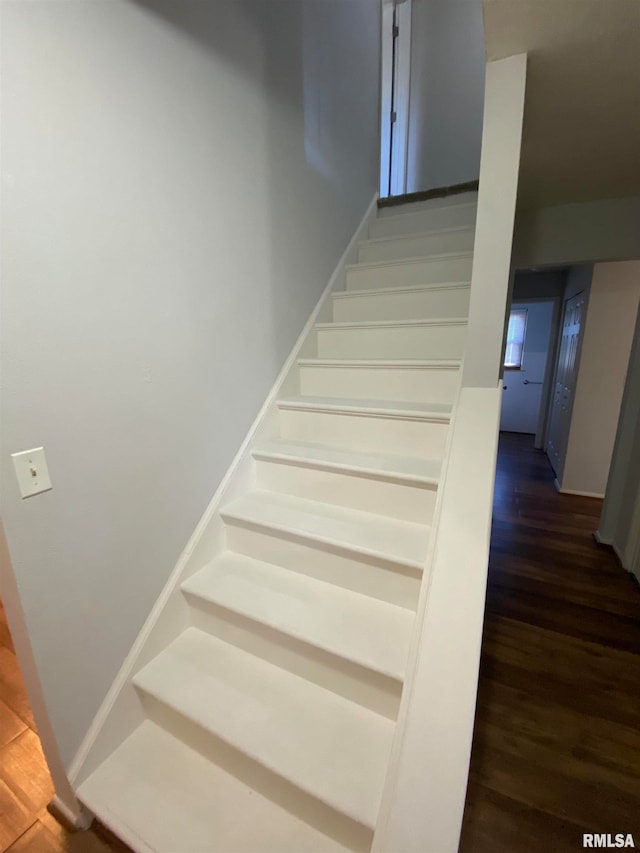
[(419, 259), (390, 408), (451, 363), (334, 749), (391, 324), (361, 629), (394, 291), (159, 795), (374, 535), (407, 213), (416, 235), (404, 467)]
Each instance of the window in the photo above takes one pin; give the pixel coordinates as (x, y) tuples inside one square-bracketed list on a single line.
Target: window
[(515, 338)]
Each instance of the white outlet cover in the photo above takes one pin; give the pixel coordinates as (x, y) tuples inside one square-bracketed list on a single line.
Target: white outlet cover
[(32, 472)]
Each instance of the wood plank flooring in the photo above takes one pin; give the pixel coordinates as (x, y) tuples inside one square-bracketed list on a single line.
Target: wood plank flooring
[(556, 748), (25, 785)]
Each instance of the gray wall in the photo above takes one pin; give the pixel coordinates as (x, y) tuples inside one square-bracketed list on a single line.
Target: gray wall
[(606, 230), (447, 93), (180, 181)]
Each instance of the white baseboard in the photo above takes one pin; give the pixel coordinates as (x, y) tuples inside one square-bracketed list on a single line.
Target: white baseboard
[(202, 545), (75, 816), (580, 493)]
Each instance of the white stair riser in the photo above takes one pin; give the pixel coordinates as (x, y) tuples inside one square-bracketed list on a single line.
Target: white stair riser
[(252, 772), (350, 431), (408, 342), (377, 578), (408, 274), (403, 305), (370, 689), (429, 204), (414, 384), (416, 246), (405, 501), (456, 215)]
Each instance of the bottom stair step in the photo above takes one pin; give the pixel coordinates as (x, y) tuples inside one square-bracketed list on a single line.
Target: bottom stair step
[(159, 795), (317, 741)]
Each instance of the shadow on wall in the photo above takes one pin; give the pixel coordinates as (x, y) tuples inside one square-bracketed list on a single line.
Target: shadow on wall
[(184, 179), (296, 55)]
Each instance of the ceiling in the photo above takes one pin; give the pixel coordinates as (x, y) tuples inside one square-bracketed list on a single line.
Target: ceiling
[(581, 136)]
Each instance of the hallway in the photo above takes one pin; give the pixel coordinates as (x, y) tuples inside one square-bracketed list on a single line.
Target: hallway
[(556, 748)]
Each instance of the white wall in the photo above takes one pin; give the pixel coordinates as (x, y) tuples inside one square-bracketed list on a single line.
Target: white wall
[(620, 521), (180, 181), (605, 230), (447, 93), (606, 345), (520, 401)]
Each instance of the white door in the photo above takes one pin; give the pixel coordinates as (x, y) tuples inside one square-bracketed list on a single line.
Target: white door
[(566, 376), (394, 107), (523, 387)]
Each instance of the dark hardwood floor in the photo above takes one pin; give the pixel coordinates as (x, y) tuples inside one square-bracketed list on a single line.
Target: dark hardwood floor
[(556, 747)]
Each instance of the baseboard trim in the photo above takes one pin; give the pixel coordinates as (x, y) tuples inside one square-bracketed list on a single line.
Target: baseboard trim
[(578, 492), (204, 533), (425, 195), (74, 819), (611, 546)]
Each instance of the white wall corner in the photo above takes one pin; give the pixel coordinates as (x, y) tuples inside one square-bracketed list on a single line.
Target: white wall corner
[(499, 166), (70, 813)]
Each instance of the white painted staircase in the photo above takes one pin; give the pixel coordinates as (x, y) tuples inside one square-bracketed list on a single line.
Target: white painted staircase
[(266, 724)]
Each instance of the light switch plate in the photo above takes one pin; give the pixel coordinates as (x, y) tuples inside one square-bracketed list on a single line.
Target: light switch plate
[(32, 472)]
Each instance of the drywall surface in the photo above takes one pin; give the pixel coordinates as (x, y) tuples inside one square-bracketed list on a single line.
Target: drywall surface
[(546, 284), (447, 93), (523, 388), (607, 230), (620, 521), (606, 345), (180, 181)]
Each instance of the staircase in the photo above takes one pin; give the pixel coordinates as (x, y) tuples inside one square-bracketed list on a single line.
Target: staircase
[(268, 722)]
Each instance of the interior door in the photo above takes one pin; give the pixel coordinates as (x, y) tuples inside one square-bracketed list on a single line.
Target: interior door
[(394, 112), (523, 387), (566, 376)]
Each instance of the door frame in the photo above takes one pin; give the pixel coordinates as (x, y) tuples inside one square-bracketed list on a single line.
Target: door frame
[(64, 801), (540, 438), (395, 88), (563, 307)]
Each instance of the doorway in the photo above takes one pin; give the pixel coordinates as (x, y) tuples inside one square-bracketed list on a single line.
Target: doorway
[(565, 382), (394, 107), (528, 342)]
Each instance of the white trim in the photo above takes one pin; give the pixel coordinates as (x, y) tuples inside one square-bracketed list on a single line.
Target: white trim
[(407, 288), (505, 85), (79, 817), (403, 88), (393, 324), (398, 166), (305, 404), (64, 799), (418, 259), (205, 529), (366, 472), (423, 800), (383, 363), (429, 232), (578, 492)]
